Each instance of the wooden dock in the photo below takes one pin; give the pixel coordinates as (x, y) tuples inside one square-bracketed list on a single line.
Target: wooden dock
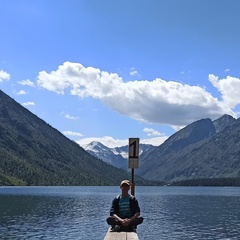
[(121, 235)]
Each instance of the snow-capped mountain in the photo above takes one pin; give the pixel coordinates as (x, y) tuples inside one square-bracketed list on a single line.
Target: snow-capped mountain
[(117, 157)]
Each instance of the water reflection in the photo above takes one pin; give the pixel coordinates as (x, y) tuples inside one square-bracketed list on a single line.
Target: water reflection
[(192, 217), (50, 217), (80, 212)]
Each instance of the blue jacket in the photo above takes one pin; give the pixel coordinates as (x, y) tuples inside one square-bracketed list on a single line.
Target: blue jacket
[(133, 205)]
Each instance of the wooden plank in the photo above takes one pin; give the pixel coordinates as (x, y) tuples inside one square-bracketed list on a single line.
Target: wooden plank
[(115, 235), (121, 235), (132, 236)]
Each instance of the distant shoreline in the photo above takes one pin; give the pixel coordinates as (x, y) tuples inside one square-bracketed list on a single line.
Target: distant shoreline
[(206, 182)]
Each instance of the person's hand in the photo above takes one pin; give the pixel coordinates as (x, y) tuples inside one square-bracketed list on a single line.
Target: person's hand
[(125, 222)]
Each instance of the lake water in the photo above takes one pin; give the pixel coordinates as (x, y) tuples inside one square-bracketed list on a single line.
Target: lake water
[(80, 212)]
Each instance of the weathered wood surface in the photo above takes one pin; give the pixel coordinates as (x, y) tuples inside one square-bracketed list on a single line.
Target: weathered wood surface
[(121, 235)]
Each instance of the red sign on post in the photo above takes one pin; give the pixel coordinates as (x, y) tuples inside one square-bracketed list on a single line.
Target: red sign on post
[(133, 152)]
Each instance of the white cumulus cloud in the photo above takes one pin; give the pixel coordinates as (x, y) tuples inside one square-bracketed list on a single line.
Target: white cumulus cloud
[(134, 72), (28, 104), (27, 83), (4, 76), (154, 101), (21, 92), (71, 117), (151, 132), (71, 133), (229, 88)]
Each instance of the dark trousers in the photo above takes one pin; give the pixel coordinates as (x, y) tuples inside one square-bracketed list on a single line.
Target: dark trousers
[(113, 221)]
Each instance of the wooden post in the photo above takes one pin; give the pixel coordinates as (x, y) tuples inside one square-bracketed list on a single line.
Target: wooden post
[(133, 184), (133, 154)]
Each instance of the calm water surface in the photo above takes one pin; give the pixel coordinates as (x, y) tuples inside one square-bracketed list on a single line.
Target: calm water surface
[(80, 212)]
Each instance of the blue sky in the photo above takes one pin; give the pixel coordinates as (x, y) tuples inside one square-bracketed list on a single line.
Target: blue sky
[(110, 70)]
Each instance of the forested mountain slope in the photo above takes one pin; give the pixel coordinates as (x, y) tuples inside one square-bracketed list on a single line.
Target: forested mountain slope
[(34, 153)]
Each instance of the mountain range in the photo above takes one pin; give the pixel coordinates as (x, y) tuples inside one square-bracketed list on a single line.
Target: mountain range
[(204, 149), (34, 153)]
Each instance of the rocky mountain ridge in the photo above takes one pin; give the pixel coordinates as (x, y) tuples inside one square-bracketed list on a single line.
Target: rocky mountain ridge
[(117, 156), (203, 149)]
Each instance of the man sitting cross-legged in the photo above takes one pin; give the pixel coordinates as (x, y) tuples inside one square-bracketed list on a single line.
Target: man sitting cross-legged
[(125, 211)]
